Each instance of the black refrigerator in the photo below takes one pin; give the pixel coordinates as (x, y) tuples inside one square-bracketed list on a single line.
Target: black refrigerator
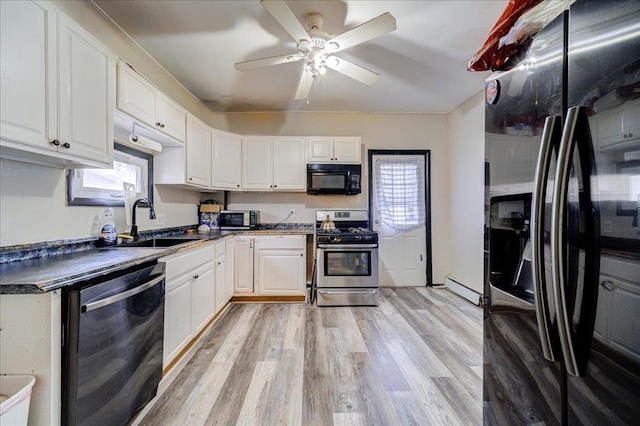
[(562, 264)]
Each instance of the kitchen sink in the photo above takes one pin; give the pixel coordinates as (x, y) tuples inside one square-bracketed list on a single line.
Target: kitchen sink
[(157, 242)]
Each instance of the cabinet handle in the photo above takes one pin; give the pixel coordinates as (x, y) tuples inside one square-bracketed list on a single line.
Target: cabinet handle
[(275, 186), (608, 285), (195, 277), (301, 254), (270, 186), (158, 123), (66, 145), (162, 126), (237, 186), (630, 135), (55, 142), (190, 178)]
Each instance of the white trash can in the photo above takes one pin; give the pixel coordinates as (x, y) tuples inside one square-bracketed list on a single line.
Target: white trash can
[(15, 395)]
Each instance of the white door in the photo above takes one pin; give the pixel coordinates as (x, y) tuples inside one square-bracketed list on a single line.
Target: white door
[(399, 210)]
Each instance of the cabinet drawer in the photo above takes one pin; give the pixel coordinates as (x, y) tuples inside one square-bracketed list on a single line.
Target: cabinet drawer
[(179, 263), (281, 242), (221, 247)]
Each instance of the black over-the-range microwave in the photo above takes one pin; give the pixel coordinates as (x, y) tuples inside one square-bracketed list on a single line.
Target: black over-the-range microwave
[(336, 179)]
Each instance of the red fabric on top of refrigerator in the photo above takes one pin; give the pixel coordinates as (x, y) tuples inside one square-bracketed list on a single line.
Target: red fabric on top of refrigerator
[(490, 56)]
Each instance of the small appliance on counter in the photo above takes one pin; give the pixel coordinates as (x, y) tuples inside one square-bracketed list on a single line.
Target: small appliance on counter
[(238, 219)]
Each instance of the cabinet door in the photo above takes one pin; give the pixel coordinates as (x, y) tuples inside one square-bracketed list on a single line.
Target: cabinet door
[(226, 161), (86, 82), (230, 264), (320, 150), (28, 73), (244, 265), (347, 150), (198, 146), (171, 117), (281, 272), (257, 163), (203, 297), (221, 280), (289, 165), (633, 120), (177, 319), (136, 96)]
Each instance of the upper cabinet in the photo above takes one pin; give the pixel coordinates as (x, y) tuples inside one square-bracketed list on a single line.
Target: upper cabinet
[(619, 127), (226, 161), (142, 100), (273, 164), (334, 150), (188, 165), (57, 89), (198, 165)]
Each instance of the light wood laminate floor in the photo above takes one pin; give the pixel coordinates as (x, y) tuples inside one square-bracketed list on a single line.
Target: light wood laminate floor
[(414, 360)]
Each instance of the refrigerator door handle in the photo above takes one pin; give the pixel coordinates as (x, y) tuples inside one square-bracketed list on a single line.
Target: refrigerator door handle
[(551, 136), (575, 345)]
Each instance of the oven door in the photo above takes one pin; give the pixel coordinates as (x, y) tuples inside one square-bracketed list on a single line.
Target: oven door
[(347, 266)]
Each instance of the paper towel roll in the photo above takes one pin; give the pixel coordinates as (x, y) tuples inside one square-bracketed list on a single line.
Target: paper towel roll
[(145, 142)]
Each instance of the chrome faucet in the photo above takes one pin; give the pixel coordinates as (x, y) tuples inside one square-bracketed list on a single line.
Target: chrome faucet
[(152, 215)]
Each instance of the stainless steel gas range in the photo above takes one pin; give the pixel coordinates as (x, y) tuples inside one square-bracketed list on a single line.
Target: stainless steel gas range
[(347, 259)]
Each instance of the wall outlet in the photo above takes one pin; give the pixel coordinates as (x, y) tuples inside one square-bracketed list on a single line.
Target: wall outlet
[(160, 218), (606, 226)]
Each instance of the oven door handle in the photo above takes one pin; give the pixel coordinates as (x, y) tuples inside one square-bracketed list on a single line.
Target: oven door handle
[(347, 246), (121, 296)]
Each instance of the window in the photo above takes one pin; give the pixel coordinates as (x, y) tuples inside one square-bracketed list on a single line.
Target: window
[(105, 187), (400, 191)]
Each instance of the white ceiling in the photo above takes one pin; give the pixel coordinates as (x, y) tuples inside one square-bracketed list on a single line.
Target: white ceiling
[(422, 65)]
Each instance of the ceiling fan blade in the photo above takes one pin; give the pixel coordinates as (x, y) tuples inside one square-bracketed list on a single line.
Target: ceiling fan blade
[(306, 81), (285, 17), (376, 27), (273, 60), (352, 70)]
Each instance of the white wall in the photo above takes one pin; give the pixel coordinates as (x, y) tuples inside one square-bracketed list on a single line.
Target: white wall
[(378, 131), (33, 207), (466, 173)]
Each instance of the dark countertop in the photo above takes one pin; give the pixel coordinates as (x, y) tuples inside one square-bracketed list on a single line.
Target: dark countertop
[(44, 274)]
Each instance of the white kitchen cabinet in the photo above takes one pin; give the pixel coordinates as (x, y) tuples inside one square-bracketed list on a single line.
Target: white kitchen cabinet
[(57, 89), (273, 164), (280, 265), (257, 163), (619, 127), (198, 146), (226, 161), (189, 165), (289, 164), (190, 297), (230, 264), (334, 150), (203, 297), (177, 319), (142, 100), (243, 283), (221, 276)]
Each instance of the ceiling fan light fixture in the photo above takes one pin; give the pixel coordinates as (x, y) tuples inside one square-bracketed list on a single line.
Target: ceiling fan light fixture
[(331, 46)]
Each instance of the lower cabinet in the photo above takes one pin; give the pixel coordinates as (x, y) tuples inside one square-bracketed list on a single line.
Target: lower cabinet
[(281, 265), (195, 292), (244, 265), (270, 265), (221, 276)]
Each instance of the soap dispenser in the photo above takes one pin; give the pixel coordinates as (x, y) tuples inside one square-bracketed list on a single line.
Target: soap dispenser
[(108, 235)]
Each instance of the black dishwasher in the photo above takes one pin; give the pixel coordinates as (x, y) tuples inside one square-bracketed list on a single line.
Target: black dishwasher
[(112, 345)]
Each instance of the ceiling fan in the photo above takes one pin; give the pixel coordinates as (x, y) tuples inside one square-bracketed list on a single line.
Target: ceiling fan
[(317, 48)]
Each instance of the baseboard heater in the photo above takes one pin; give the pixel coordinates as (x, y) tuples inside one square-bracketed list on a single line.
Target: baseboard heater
[(462, 290)]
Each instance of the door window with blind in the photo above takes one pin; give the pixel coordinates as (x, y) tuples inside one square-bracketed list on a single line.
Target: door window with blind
[(400, 191)]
